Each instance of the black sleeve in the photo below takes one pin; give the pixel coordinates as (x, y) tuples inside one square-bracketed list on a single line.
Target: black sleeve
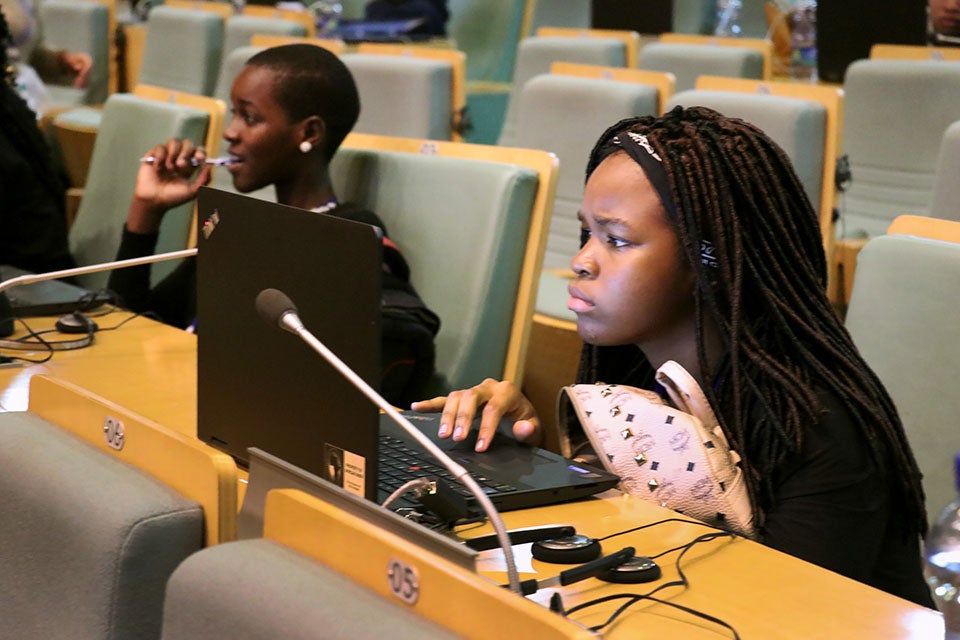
[(172, 299), (833, 507)]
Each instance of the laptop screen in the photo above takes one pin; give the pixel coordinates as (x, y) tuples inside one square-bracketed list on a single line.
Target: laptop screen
[(262, 387)]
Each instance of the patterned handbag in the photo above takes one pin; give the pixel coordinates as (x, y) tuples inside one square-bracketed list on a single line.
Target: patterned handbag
[(677, 457)]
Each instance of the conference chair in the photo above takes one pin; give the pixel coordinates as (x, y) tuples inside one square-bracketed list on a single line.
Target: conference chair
[(945, 202), (130, 125), (696, 17), (472, 222), (903, 318), (230, 68), (488, 33), (182, 50), (458, 65), (759, 44), (267, 40), (98, 506), (537, 53), (895, 116), (81, 27), (304, 18), (239, 29), (799, 126), (570, 14), (294, 584), (663, 82), (402, 95), (630, 39)]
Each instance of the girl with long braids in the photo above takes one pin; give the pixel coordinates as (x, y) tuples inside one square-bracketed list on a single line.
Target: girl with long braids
[(33, 224), (700, 246)]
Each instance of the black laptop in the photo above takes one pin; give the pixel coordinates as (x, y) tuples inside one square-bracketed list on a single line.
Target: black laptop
[(262, 387), (49, 297)]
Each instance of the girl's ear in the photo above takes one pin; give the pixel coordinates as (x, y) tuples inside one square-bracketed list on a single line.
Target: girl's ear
[(315, 131)]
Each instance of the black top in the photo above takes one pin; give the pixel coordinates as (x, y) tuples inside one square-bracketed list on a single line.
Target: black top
[(407, 325), (833, 490), (33, 225)]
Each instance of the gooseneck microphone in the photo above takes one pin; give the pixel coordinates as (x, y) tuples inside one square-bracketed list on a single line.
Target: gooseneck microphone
[(276, 308), (94, 268)]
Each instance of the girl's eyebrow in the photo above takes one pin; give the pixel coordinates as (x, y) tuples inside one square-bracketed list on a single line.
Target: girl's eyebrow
[(604, 221)]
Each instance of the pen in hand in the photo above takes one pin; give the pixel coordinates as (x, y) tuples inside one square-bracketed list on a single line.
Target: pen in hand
[(221, 161)]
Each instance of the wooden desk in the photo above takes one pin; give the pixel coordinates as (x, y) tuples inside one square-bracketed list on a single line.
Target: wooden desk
[(762, 593), (151, 369), (145, 366)]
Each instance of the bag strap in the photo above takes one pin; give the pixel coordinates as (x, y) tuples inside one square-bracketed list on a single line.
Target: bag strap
[(685, 393)]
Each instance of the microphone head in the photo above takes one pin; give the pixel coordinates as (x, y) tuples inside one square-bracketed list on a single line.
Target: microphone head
[(272, 305)]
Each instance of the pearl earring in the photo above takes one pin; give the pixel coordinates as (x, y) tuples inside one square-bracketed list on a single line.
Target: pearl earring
[(305, 146)]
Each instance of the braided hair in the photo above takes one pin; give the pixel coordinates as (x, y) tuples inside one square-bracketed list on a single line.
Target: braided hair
[(18, 123), (735, 189)]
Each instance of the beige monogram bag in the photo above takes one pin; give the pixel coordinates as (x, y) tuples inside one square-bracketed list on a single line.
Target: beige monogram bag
[(677, 457)]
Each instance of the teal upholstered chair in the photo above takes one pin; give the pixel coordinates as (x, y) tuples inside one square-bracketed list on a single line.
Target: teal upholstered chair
[(689, 61), (260, 589), (575, 14), (240, 28), (88, 540), (945, 202), (82, 27), (797, 125), (903, 317), (230, 67), (473, 231), (895, 116), (128, 128), (537, 53), (402, 95), (182, 50), (698, 17)]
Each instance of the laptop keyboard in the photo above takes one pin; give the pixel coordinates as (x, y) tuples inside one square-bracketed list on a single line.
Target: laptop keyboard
[(400, 464)]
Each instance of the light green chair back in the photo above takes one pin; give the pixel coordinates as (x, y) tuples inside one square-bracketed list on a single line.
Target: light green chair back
[(89, 541), (240, 28), (81, 27), (798, 126), (537, 53), (488, 32), (129, 127), (462, 226), (574, 14), (903, 317), (895, 116), (946, 187), (403, 95), (697, 17), (182, 50), (687, 62)]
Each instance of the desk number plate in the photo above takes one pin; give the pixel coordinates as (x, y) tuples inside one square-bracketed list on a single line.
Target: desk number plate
[(404, 581)]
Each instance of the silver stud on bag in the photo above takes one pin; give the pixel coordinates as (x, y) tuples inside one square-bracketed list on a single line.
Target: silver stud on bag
[(614, 412), (626, 434), (652, 484), (640, 460)]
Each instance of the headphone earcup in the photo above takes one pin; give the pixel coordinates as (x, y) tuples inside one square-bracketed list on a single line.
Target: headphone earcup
[(575, 549), (635, 570)]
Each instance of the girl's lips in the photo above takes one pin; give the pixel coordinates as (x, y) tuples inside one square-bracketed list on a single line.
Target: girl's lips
[(577, 302)]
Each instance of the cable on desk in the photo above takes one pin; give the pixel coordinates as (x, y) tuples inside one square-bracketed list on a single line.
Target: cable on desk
[(682, 582)]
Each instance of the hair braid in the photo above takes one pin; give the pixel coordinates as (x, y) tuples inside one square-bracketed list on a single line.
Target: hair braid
[(736, 189)]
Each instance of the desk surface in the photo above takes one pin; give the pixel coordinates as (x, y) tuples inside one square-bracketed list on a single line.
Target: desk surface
[(151, 369), (145, 366)]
